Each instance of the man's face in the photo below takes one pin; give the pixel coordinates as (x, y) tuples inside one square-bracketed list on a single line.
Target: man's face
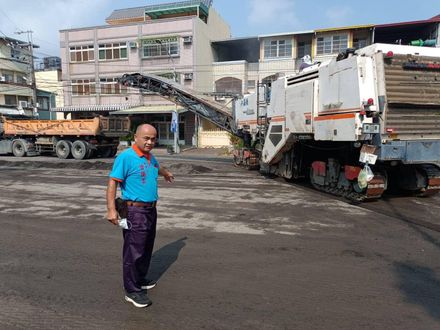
[(145, 139)]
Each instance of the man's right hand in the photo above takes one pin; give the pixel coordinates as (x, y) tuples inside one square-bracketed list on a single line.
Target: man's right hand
[(112, 216)]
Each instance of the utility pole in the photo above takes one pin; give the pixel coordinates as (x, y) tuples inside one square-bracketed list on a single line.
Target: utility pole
[(33, 84)]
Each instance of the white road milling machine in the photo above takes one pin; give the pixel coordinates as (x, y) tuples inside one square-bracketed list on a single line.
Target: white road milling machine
[(356, 125)]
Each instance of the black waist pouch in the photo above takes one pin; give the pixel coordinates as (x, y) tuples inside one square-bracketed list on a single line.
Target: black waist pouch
[(121, 207)]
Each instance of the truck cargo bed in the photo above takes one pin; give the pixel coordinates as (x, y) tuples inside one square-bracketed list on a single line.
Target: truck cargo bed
[(80, 127)]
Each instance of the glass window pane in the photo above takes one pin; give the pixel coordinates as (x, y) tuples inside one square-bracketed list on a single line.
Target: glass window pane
[(102, 54), (174, 49), (10, 100), (116, 53), (163, 50), (108, 54), (163, 132)]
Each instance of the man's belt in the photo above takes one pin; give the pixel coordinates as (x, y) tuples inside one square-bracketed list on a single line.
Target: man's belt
[(141, 204)]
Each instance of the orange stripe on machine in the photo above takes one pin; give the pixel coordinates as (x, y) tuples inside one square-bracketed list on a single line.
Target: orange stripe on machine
[(278, 119), (247, 122), (337, 111), (336, 117)]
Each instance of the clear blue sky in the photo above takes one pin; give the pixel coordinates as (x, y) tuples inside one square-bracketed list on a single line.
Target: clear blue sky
[(245, 17)]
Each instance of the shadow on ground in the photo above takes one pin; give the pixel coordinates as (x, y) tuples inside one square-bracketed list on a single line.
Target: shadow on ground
[(163, 258), (420, 285)]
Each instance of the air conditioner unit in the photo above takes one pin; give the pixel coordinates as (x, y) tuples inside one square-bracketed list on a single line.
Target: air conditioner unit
[(133, 44), (220, 98), (22, 104), (2, 78), (187, 40), (188, 76)]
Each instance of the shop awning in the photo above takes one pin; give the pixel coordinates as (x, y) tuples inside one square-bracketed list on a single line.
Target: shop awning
[(153, 109), (92, 107)]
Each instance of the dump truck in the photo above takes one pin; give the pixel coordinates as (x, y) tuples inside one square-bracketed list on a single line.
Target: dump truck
[(355, 125), (80, 138)]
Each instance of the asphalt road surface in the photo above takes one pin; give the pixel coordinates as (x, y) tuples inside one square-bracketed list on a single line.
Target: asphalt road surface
[(234, 250)]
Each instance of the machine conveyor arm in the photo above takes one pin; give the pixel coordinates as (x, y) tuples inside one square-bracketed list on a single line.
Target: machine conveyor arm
[(210, 110)]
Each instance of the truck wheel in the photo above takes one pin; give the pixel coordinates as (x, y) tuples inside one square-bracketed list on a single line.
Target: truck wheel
[(18, 149), (63, 148), (90, 153), (106, 152), (80, 150)]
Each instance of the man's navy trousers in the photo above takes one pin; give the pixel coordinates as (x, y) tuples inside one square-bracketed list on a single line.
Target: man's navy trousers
[(138, 246)]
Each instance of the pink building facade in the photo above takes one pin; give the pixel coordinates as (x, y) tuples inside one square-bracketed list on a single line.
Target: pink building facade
[(177, 47)]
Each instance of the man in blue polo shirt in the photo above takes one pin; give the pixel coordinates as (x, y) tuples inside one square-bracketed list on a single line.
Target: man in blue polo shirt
[(136, 170)]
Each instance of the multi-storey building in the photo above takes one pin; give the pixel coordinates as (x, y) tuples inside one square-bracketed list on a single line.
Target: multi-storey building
[(49, 93), (16, 91), (173, 40)]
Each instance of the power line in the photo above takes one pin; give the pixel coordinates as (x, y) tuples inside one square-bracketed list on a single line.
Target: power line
[(4, 34), (48, 42), (13, 23)]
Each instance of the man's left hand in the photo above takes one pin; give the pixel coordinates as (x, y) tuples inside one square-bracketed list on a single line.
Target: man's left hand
[(168, 176)]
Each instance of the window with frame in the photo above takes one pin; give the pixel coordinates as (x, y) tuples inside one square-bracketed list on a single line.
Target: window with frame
[(83, 87), (9, 75), (229, 85), (359, 43), (331, 44), (110, 86), (277, 48), (170, 75), (113, 51), (82, 53), (160, 47), (21, 79), (43, 102), (10, 100), (22, 98), (303, 49)]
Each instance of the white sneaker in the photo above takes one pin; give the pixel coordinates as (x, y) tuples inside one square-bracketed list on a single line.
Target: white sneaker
[(138, 299), (149, 285)]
